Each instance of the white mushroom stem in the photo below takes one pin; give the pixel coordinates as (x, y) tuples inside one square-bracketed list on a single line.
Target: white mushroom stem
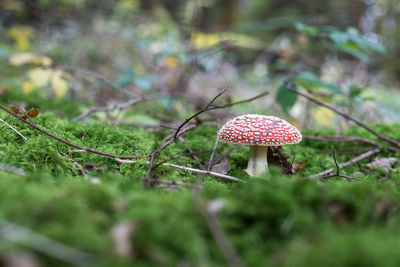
[(258, 160)]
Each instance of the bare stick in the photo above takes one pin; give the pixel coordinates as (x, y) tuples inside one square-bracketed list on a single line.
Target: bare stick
[(210, 106), (192, 154), (354, 152), (77, 165), (118, 106), (367, 154), (63, 141), (199, 112), (12, 169), (337, 174), (19, 234), (93, 73), (344, 115), (216, 229), (227, 153), (12, 128), (204, 172), (348, 139), (210, 161), (154, 153), (188, 169), (341, 139), (27, 116)]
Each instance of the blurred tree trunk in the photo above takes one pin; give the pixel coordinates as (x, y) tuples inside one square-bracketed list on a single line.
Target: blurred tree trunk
[(148, 5), (229, 10), (32, 9)]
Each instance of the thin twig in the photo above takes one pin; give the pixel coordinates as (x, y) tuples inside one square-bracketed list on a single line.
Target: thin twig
[(228, 177), (93, 73), (118, 106), (77, 165), (155, 152), (199, 112), (217, 231), (190, 154), (341, 139), (345, 115), (367, 154), (12, 128), (64, 141), (210, 106), (12, 169), (337, 174), (27, 116), (204, 172), (210, 161), (19, 234), (354, 152)]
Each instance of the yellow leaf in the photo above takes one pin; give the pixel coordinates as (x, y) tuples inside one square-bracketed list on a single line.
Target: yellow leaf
[(39, 77), (204, 40), (27, 87), (21, 35), (243, 40), (42, 60), (19, 59), (59, 85), (171, 62), (323, 116)]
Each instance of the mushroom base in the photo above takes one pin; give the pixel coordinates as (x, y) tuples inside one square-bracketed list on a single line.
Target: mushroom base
[(258, 160)]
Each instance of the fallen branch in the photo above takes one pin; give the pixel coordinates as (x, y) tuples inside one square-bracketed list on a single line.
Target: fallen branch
[(210, 161), (204, 172), (344, 115), (165, 145), (367, 154), (354, 152), (15, 130), (227, 153), (64, 141), (93, 73), (210, 106), (341, 139), (19, 234), (12, 169), (188, 169), (192, 154), (118, 106), (77, 165), (337, 174)]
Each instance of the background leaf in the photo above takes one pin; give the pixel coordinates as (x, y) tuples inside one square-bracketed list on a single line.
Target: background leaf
[(285, 98)]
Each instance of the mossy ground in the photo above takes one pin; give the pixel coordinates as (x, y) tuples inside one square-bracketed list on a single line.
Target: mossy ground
[(278, 220)]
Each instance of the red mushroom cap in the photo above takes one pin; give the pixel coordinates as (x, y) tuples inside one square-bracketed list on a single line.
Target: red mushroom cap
[(253, 129)]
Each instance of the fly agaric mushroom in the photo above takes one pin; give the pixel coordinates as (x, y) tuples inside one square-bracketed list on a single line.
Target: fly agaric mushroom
[(259, 132)]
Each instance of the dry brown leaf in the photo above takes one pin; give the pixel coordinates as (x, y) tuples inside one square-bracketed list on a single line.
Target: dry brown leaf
[(222, 167), (15, 110), (386, 163), (297, 165), (32, 113)]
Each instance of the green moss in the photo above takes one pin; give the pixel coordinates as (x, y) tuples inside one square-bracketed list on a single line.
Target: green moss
[(282, 220)]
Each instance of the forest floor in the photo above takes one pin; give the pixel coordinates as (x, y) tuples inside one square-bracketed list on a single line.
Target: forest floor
[(60, 206)]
